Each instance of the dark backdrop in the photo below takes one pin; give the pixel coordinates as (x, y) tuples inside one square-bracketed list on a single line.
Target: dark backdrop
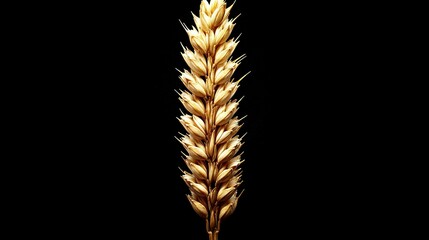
[(114, 107)]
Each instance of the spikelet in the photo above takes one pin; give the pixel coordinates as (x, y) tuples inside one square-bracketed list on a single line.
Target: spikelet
[(211, 140)]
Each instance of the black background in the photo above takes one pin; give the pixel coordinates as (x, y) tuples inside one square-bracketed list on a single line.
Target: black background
[(107, 122)]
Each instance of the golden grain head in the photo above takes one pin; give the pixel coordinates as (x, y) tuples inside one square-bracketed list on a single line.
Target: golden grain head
[(211, 141)]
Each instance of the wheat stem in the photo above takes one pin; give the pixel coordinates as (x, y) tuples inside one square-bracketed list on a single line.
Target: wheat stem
[(213, 235)]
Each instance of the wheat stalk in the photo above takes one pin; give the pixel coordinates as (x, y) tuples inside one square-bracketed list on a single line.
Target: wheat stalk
[(211, 140)]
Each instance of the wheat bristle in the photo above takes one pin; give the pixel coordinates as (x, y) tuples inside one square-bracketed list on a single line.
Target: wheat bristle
[(211, 141)]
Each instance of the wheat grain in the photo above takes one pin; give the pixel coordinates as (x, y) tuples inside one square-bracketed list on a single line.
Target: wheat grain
[(211, 140)]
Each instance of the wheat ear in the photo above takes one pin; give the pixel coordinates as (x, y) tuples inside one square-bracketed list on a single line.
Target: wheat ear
[(211, 140)]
